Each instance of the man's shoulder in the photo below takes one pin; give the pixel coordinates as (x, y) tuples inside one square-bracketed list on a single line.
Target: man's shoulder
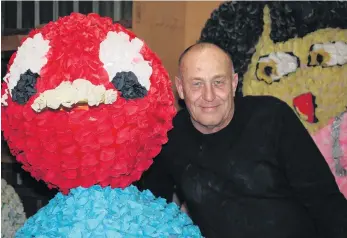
[(181, 119), (266, 114), (260, 101), (266, 107), (264, 103), (180, 124), (177, 134)]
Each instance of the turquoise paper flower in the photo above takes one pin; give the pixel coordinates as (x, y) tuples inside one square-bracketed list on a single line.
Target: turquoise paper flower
[(110, 213)]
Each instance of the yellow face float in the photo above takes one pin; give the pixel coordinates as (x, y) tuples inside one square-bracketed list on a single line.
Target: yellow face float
[(309, 73)]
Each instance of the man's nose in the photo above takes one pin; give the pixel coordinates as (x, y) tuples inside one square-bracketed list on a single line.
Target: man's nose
[(208, 93)]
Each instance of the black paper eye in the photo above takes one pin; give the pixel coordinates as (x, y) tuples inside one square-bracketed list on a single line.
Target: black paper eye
[(128, 84), (25, 87)]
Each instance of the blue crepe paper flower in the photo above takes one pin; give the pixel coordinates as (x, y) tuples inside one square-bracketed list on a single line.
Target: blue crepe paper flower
[(111, 213)]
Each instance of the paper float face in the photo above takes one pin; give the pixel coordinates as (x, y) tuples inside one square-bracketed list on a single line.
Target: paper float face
[(308, 73), (85, 102)]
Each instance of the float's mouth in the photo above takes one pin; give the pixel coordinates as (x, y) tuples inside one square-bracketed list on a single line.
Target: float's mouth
[(80, 93), (76, 107), (304, 106)]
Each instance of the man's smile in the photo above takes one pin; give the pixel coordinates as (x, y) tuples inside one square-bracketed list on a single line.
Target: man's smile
[(209, 108)]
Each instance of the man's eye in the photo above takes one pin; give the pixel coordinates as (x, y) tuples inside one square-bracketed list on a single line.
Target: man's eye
[(218, 82), (196, 83)]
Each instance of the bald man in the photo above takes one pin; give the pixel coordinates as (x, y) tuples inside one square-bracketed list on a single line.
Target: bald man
[(247, 167)]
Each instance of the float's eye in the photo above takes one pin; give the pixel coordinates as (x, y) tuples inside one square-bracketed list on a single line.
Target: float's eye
[(272, 67), (25, 87), (24, 72), (128, 84), (328, 54), (128, 71)]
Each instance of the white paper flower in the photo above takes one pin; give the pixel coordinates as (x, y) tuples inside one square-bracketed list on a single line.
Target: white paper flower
[(12, 211), (119, 54), (336, 52), (285, 64), (4, 97), (68, 94), (31, 55)]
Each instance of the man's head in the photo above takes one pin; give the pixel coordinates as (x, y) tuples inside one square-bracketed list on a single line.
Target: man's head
[(207, 84)]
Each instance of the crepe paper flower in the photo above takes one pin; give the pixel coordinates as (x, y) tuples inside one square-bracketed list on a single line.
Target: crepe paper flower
[(85, 102), (328, 54), (12, 211), (106, 212), (25, 87), (68, 94), (127, 83), (272, 67)]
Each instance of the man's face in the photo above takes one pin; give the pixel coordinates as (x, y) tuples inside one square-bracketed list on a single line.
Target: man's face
[(207, 85)]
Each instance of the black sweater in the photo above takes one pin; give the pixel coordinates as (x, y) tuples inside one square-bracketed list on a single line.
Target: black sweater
[(261, 176)]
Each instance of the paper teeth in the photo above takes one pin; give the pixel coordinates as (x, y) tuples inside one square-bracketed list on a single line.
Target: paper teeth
[(68, 94)]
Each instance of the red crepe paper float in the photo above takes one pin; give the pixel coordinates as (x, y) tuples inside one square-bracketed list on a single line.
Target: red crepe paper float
[(92, 106)]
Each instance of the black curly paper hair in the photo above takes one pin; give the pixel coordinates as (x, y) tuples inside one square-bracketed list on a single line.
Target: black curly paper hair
[(237, 26)]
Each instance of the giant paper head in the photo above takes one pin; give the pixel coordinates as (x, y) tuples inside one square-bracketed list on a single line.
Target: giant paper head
[(84, 103), (295, 51)]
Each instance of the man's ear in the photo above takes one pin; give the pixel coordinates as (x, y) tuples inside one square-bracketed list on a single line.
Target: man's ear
[(179, 87), (235, 81)]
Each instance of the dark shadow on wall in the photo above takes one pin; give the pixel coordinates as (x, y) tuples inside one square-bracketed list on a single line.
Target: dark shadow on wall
[(33, 194)]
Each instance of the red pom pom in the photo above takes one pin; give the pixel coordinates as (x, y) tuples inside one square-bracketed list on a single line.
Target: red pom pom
[(108, 144)]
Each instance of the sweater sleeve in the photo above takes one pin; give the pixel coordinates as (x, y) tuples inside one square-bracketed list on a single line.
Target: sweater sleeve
[(158, 179), (310, 177)]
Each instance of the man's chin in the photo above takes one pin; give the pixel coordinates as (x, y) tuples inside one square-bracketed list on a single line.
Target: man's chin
[(210, 123)]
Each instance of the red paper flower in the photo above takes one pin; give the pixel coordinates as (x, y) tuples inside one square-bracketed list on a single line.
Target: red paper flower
[(83, 125)]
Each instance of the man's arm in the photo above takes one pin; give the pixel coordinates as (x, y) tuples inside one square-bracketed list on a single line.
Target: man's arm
[(311, 178), (158, 180)]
